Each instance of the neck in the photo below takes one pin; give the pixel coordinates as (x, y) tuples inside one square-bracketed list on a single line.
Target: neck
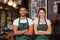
[(42, 18), (23, 17)]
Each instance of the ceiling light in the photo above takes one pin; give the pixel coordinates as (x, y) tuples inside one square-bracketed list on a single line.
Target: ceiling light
[(10, 2), (14, 4)]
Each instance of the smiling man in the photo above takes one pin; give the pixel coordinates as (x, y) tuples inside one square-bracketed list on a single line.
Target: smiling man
[(23, 26)]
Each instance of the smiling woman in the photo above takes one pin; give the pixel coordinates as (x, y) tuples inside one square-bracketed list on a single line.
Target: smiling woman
[(42, 26)]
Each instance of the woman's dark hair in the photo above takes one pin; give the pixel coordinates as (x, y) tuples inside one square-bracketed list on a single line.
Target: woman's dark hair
[(42, 9)]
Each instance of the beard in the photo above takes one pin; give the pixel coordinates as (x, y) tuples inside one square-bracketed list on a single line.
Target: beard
[(23, 15)]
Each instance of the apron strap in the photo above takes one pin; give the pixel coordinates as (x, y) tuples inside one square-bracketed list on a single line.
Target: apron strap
[(26, 20), (39, 21)]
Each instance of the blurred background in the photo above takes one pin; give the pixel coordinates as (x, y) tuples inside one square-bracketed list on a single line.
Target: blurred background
[(9, 10)]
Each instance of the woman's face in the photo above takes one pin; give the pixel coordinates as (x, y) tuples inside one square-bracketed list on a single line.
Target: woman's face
[(41, 13)]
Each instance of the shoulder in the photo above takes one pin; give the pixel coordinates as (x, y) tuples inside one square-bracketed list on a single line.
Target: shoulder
[(29, 19), (15, 22), (36, 20), (48, 21), (16, 19)]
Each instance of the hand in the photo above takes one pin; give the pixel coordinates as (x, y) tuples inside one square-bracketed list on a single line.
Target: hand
[(41, 32), (28, 33), (26, 30)]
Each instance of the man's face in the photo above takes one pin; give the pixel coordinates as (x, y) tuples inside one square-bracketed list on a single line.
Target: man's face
[(23, 11)]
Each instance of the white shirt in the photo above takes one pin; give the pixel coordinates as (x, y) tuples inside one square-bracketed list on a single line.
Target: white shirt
[(15, 22), (36, 21)]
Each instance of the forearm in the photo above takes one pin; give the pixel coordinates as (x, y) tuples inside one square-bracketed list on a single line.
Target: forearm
[(42, 33), (28, 33), (38, 33), (20, 32), (45, 32)]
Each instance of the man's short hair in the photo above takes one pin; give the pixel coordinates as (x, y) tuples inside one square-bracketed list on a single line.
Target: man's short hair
[(22, 7)]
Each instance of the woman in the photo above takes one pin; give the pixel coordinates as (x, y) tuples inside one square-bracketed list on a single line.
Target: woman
[(42, 26)]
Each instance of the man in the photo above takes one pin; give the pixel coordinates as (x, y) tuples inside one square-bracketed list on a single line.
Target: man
[(23, 26)]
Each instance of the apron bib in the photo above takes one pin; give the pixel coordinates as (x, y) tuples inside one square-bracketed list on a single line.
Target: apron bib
[(23, 26), (42, 27)]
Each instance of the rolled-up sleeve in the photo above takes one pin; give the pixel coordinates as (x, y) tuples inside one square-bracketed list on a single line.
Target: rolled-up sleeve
[(15, 22)]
